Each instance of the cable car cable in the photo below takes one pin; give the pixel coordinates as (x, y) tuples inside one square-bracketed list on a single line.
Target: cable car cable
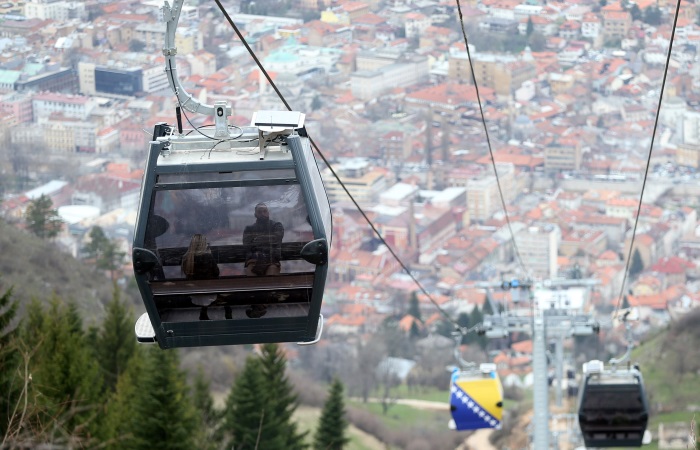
[(461, 329), (488, 142), (646, 169)]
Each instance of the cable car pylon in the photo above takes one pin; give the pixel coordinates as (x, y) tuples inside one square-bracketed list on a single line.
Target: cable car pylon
[(544, 318)]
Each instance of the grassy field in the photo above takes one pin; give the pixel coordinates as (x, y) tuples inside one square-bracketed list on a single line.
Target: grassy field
[(307, 419), (403, 416), (419, 393)]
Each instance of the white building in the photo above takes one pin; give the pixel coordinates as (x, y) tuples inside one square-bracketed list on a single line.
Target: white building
[(58, 11), (74, 106), (366, 84), (538, 247)]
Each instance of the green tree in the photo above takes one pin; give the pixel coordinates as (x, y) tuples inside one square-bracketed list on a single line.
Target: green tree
[(414, 306), (120, 422), (115, 343), (66, 382), (244, 414), (208, 415), (414, 332), (136, 45), (281, 398), (42, 219), (652, 15), (9, 360), (636, 12), (103, 251), (332, 428), (637, 265), (530, 27), (163, 415)]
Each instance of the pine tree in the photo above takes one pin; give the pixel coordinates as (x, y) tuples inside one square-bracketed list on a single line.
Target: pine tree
[(414, 307), (66, 382), (332, 427), (280, 395), (98, 241), (42, 219), (119, 421), (246, 410), (103, 251), (204, 405), (115, 343), (163, 417), (9, 360), (637, 264)]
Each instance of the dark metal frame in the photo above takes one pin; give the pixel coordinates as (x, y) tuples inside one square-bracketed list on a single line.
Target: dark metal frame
[(610, 434)]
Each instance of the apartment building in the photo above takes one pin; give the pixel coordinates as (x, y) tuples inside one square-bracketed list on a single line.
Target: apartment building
[(75, 106), (369, 84), (504, 74), (483, 199), (364, 182), (539, 247), (563, 154)]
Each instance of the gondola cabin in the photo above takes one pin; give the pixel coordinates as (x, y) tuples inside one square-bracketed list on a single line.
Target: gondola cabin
[(613, 409), (476, 399), (233, 233)]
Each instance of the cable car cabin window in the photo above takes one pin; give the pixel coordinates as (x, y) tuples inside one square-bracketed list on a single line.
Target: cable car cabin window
[(224, 252), (189, 177), (319, 189)]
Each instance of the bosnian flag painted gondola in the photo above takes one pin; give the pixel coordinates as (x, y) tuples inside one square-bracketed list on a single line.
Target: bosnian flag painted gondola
[(476, 399)]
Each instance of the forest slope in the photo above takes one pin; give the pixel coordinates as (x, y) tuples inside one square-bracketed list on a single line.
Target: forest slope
[(38, 269)]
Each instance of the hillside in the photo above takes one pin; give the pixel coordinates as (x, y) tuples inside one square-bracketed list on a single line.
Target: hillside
[(670, 364), (38, 269)]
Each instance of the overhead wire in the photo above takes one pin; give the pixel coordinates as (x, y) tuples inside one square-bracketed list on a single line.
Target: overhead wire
[(646, 169), (430, 298), (488, 142)]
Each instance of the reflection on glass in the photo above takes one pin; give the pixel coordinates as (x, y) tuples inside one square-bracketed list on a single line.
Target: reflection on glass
[(224, 250)]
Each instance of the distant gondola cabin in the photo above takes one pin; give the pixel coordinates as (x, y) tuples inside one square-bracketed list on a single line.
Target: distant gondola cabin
[(476, 399), (613, 409)]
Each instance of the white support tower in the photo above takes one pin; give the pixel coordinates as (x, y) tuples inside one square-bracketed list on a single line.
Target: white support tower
[(557, 322)]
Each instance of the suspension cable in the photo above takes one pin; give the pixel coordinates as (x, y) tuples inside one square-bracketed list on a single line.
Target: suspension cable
[(488, 141), (444, 313), (646, 169)]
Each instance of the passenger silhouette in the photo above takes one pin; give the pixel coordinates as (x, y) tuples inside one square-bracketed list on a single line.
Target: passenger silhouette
[(263, 242), (198, 264)]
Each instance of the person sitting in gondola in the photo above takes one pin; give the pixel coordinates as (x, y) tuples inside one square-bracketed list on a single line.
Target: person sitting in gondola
[(263, 242), (198, 264)]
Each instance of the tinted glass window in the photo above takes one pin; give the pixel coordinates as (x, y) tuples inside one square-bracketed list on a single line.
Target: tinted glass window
[(217, 219)]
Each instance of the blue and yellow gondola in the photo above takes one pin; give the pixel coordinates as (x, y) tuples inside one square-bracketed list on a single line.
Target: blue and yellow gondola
[(476, 399)]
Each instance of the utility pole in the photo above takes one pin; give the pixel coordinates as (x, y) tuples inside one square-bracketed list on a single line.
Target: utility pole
[(553, 314)]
